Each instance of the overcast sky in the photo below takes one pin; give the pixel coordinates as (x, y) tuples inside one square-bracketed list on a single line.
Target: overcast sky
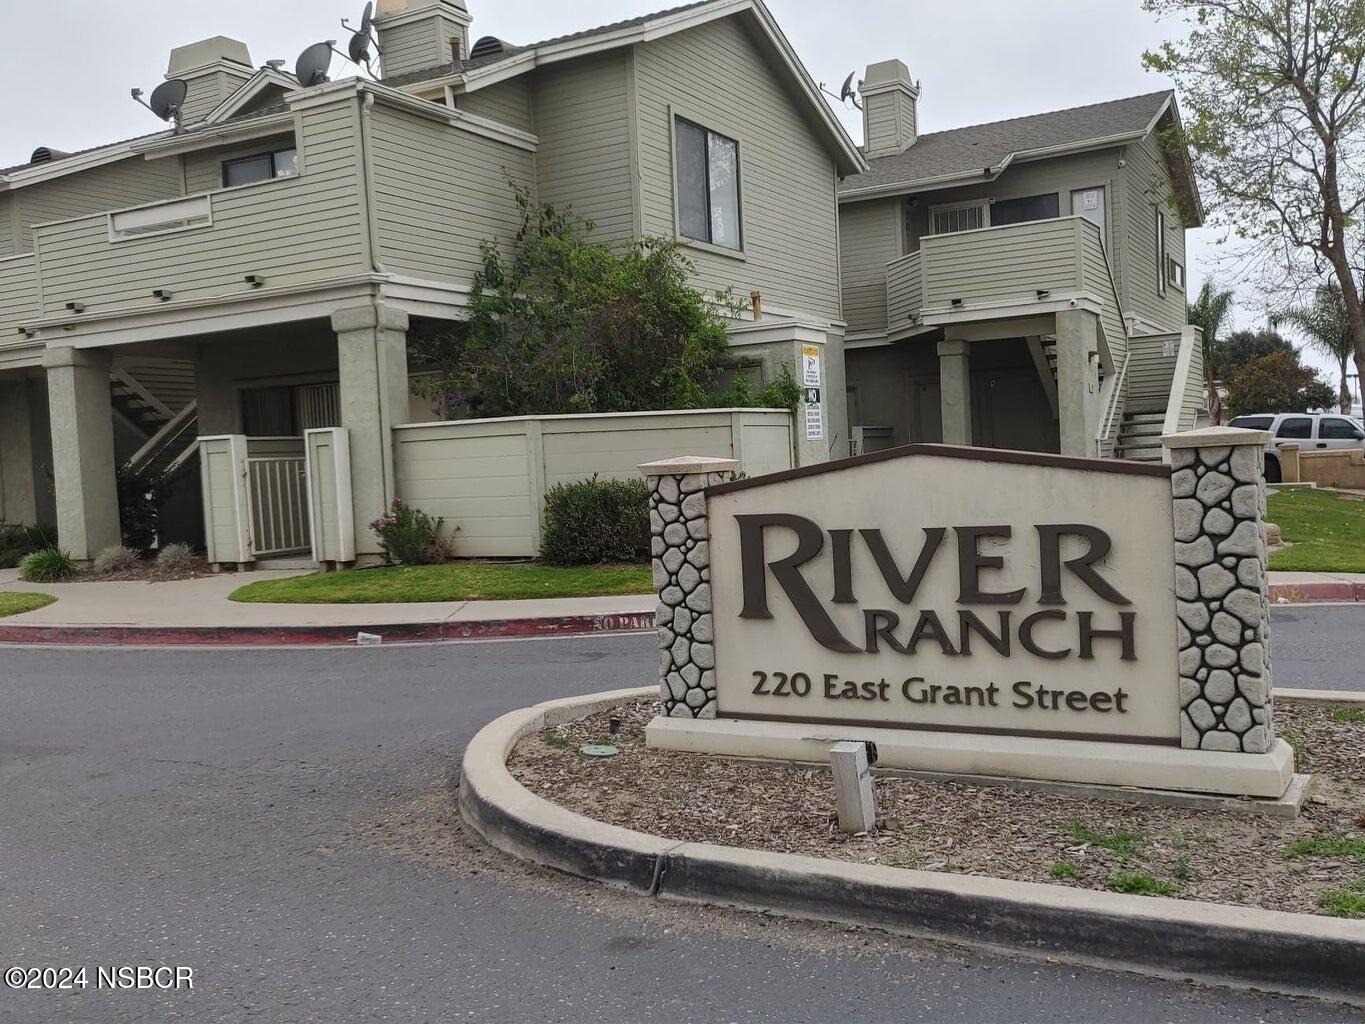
[(70, 63)]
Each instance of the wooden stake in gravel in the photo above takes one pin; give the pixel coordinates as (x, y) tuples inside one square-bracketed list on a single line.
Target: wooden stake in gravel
[(854, 798)]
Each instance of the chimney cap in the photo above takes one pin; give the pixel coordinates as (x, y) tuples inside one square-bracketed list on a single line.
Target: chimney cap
[(205, 52), (888, 73), (391, 7)]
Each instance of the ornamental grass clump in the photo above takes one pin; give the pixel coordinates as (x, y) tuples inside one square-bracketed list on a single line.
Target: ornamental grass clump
[(51, 565), (409, 536), (175, 558), (115, 558)]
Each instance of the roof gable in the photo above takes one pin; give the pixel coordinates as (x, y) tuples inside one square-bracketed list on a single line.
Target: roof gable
[(265, 87), (474, 74)]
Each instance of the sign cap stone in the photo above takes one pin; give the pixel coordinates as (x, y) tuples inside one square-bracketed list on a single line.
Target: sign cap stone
[(686, 465), (1214, 437)]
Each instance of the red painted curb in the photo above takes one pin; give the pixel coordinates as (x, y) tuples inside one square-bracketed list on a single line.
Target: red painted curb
[(1306, 593), (303, 636)]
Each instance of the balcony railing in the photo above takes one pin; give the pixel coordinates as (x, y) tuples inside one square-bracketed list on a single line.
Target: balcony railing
[(1003, 266)]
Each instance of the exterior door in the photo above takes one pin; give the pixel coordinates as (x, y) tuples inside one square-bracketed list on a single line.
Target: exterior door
[(1089, 203), (1010, 410), (926, 411)]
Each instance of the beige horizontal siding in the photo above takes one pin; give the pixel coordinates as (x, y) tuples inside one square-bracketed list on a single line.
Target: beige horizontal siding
[(869, 239), (507, 102), (904, 289), (488, 477), (582, 118), (293, 231), (18, 295), (130, 182), (412, 47), (999, 264), (1148, 188), (7, 239), (718, 74), (1098, 281), (439, 192), (1151, 369)]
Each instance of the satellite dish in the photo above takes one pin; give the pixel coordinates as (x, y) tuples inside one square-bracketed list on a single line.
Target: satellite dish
[(848, 93), (367, 18), (358, 49), (311, 67), (168, 98)]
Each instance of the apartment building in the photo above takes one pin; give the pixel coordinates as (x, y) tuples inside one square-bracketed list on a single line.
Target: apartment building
[(1019, 284), (256, 268)]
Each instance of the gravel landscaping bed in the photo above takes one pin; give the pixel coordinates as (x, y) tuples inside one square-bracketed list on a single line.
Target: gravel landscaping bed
[(1315, 864)]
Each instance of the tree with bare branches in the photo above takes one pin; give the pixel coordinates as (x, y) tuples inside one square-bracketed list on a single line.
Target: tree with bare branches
[(1275, 93)]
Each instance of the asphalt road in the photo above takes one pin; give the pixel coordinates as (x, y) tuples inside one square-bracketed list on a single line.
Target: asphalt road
[(1318, 647), (281, 822)]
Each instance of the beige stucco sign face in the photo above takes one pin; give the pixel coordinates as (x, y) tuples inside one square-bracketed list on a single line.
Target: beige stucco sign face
[(998, 594)]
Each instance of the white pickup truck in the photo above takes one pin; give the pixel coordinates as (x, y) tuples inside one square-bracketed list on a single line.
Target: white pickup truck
[(1311, 431)]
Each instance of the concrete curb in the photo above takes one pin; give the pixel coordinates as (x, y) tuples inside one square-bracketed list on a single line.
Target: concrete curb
[(1291, 953), (1291, 696), (303, 636), (1311, 593)]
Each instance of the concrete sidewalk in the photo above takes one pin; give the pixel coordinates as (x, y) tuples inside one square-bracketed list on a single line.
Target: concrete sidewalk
[(198, 611)]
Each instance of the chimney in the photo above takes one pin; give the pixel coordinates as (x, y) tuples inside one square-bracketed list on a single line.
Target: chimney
[(890, 120), (415, 35), (213, 69)]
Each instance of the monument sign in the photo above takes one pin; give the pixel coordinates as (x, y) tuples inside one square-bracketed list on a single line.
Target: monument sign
[(976, 610)]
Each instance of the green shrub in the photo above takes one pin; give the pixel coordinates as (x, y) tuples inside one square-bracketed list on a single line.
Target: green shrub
[(411, 537), (140, 494), (115, 559), (595, 521), (18, 540), (175, 558), (51, 565)]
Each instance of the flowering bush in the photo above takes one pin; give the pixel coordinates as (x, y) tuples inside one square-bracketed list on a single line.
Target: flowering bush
[(410, 536)]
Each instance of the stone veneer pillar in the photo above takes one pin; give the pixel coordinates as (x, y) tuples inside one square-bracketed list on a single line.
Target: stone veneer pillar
[(1222, 603), (679, 545)]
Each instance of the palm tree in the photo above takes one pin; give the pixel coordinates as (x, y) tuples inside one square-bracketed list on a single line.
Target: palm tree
[(1207, 312), (1327, 328)]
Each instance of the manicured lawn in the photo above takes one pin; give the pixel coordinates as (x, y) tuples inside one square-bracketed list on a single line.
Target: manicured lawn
[(12, 603), (1326, 532), (459, 581)]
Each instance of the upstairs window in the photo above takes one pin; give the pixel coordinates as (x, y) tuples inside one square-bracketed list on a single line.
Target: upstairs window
[(946, 220), (1025, 209), (1176, 274), (708, 186), (282, 163)]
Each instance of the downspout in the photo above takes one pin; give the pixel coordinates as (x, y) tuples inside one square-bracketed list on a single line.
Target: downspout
[(367, 177)]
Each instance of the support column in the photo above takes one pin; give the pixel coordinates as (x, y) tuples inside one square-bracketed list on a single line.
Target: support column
[(680, 545), (372, 362), (1222, 603), (18, 494), (82, 450), (955, 390), (1078, 382)]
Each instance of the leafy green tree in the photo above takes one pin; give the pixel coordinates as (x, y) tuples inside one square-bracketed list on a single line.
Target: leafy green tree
[(1275, 91), (1276, 383), (1207, 312), (564, 324), (1327, 327), (1242, 347)]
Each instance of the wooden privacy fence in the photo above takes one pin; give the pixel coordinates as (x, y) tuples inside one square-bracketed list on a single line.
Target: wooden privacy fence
[(489, 477)]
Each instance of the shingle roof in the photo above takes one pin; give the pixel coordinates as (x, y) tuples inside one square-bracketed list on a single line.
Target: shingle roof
[(964, 150), (510, 51)]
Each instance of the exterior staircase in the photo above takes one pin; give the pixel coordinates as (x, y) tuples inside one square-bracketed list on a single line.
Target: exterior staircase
[(1140, 436), (156, 396)]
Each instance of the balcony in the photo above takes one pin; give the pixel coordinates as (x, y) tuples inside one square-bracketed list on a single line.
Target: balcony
[(996, 272)]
